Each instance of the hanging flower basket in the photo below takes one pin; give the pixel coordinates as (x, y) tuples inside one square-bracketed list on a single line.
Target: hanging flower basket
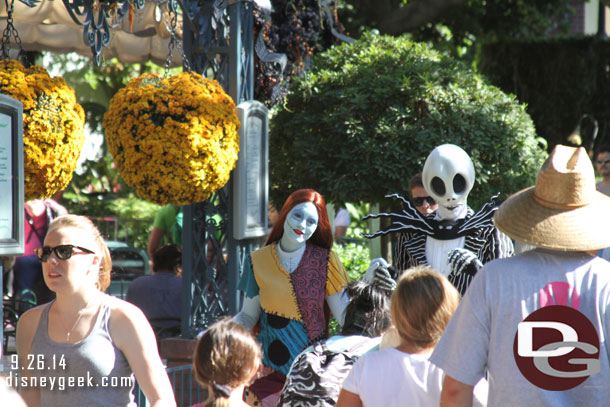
[(53, 126), (174, 140)]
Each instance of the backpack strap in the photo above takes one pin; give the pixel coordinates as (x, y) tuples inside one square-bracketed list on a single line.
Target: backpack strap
[(40, 234), (33, 229)]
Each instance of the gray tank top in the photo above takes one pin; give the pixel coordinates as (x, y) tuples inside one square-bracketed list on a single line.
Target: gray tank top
[(91, 372)]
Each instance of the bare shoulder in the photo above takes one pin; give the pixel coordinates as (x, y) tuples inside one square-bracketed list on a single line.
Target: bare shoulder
[(27, 326), (127, 322), (119, 305), (32, 315), (9, 396), (124, 312)]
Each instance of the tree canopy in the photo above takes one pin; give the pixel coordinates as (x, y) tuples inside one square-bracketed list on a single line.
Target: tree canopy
[(459, 22), (362, 121)]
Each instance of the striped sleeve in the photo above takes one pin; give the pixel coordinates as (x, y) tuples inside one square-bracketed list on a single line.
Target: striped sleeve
[(337, 276), (505, 246), (409, 251)]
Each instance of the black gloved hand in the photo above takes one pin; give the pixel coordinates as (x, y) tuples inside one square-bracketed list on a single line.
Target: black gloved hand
[(463, 261), (379, 271)]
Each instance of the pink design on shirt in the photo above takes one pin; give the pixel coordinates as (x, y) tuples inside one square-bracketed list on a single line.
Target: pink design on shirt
[(559, 293)]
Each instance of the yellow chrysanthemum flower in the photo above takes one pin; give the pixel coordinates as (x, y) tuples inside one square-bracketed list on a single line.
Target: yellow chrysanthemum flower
[(174, 140), (53, 127)]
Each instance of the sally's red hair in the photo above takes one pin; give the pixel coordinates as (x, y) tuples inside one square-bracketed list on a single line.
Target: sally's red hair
[(323, 236)]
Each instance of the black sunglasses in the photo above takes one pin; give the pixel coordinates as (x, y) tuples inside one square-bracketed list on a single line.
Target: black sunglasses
[(603, 162), (420, 201), (63, 252)]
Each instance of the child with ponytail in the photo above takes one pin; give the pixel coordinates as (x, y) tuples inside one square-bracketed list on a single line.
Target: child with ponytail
[(226, 358)]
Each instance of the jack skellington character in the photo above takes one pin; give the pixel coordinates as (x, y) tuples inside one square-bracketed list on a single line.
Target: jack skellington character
[(455, 240)]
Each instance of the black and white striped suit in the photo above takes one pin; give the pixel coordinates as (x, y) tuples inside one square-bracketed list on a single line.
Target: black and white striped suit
[(488, 243), (480, 237)]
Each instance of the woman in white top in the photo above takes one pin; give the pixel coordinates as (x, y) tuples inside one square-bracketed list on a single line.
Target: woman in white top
[(422, 305), (85, 333)]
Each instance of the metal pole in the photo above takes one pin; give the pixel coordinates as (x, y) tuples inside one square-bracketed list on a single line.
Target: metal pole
[(239, 64), (187, 267)]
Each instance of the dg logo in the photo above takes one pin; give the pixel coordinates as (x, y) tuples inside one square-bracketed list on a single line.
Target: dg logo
[(556, 348)]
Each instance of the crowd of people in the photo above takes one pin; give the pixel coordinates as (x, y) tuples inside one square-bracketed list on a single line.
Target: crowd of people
[(459, 319)]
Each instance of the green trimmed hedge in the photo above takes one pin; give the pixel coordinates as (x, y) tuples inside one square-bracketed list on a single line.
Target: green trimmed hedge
[(362, 121)]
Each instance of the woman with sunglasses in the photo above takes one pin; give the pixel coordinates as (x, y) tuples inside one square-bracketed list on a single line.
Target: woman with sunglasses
[(85, 347)]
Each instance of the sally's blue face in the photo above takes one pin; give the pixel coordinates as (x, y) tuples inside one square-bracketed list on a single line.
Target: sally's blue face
[(300, 224)]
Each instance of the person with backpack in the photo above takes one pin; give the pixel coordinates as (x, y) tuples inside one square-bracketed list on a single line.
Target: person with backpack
[(316, 375), (28, 283)]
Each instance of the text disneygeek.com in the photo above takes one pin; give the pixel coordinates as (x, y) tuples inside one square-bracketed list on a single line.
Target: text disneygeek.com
[(62, 382)]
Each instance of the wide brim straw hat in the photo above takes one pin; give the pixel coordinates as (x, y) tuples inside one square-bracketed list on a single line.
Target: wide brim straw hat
[(563, 211)]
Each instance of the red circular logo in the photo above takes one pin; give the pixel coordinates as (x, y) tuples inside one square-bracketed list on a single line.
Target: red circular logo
[(556, 348)]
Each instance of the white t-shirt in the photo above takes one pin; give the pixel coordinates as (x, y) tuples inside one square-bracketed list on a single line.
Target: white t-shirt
[(391, 378), (481, 335), (342, 218)]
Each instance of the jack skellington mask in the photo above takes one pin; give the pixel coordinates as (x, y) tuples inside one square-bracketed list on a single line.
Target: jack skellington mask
[(448, 176)]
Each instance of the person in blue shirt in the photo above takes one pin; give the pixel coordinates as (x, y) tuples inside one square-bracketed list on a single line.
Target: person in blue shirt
[(159, 295)]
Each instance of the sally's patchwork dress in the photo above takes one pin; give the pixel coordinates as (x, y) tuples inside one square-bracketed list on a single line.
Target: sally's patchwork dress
[(293, 305)]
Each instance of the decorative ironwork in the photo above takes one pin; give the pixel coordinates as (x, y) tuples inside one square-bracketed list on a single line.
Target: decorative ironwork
[(204, 263), (212, 259), (241, 81), (206, 36), (99, 16)]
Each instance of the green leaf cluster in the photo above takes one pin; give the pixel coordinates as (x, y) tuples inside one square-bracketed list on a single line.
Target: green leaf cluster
[(459, 26), (355, 258), (363, 120)]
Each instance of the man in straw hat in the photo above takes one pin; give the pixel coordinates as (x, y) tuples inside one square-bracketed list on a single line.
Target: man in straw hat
[(537, 324)]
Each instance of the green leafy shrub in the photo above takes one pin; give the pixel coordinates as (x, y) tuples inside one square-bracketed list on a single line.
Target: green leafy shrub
[(126, 218), (357, 226), (355, 258), (363, 120)]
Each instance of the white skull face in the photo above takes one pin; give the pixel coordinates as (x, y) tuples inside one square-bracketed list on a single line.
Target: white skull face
[(448, 176)]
